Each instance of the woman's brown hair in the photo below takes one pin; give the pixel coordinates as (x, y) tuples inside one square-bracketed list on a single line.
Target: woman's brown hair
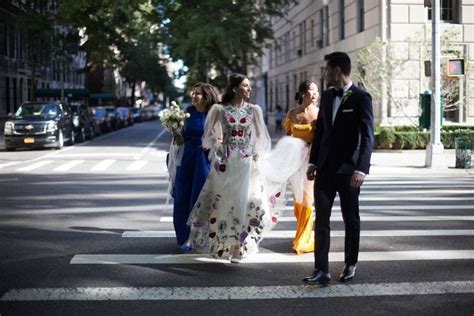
[(209, 93)]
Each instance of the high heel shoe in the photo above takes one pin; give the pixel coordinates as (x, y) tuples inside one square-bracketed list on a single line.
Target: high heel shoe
[(186, 248)]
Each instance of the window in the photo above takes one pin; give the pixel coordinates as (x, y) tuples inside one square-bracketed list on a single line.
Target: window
[(304, 37), (324, 15), (449, 11), (342, 21), (360, 16), (312, 33)]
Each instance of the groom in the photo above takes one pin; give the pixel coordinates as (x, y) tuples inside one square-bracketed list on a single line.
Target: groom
[(339, 161)]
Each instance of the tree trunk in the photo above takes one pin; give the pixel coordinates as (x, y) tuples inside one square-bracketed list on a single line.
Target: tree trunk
[(132, 97)]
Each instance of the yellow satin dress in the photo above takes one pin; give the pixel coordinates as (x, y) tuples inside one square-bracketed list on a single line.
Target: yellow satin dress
[(304, 237)]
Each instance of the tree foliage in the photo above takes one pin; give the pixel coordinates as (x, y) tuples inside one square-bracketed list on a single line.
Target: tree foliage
[(223, 35)]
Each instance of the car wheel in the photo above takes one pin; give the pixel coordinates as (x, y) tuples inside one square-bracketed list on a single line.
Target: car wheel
[(60, 140), (83, 135), (72, 138)]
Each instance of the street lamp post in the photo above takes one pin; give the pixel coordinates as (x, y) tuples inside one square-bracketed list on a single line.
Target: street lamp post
[(435, 149)]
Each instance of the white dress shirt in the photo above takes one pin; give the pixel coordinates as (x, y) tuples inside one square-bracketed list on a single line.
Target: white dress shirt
[(336, 102)]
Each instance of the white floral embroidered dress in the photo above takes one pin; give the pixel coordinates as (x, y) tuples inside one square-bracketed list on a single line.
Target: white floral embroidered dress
[(232, 208)]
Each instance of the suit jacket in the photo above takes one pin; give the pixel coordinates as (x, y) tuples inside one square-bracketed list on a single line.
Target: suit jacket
[(346, 145)]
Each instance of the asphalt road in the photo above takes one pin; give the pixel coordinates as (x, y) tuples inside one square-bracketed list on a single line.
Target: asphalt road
[(86, 231)]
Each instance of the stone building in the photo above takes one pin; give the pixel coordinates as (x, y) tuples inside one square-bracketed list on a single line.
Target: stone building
[(313, 29), (16, 56)]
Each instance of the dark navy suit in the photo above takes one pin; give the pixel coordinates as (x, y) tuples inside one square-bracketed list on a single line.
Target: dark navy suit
[(339, 149)]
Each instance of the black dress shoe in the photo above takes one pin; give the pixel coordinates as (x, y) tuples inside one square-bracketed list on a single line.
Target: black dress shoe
[(319, 277), (348, 273)]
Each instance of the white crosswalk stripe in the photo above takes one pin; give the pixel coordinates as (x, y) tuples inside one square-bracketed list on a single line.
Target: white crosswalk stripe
[(238, 293), (36, 165), (272, 257), (68, 166), (103, 165), (137, 165), (285, 234)]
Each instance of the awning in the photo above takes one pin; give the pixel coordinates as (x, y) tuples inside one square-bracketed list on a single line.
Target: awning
[(101, 96), (56, 93)]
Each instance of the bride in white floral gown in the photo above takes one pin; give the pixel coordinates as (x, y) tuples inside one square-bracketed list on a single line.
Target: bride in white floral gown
[(233, 207)]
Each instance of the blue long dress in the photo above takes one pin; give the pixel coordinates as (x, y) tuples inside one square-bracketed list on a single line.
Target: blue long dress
[(191, 174)]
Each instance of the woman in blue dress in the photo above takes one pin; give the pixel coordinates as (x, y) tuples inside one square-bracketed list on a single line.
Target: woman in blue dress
[(192, 167)]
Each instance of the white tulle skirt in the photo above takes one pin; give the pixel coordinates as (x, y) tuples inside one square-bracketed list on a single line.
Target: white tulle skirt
[(241, 199)]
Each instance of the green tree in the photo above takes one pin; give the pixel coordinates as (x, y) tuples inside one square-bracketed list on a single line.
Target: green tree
[(223, 35)]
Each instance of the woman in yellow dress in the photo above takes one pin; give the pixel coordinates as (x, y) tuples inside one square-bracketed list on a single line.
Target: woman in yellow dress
[(300, 122)]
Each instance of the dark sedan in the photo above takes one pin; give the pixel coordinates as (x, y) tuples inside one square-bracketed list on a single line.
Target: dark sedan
[(39, 124)]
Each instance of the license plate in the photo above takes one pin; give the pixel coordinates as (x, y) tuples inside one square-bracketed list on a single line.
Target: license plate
[(29, 140)]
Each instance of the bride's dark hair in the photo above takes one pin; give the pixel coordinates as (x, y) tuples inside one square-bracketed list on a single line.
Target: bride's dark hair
[(302, 89), (235, 80)]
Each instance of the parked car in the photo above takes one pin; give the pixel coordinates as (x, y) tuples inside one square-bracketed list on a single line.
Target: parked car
[(126, 116), (115, 119), (82, 121), (39, 124), (103, 119), (137, 115)]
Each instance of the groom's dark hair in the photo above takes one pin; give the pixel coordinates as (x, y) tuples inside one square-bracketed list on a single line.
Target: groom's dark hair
[(341, 60)]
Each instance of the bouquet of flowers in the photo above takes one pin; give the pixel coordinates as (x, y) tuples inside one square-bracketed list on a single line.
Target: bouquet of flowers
[(173, 119)]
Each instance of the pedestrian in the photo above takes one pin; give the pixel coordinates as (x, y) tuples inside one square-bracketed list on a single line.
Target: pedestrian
[(190, 160), (279, 116), (232, 210), (339, 161), (300, 123)]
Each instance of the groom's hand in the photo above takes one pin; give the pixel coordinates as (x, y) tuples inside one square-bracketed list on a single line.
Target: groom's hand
[(357, 180), (311, 172)]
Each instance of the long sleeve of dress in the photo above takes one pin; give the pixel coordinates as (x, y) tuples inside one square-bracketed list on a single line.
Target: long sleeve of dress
[(212, 136), (261, 140)]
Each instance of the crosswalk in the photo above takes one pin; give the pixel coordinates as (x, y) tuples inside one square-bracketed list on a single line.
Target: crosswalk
[(92, 165), (422, 215)]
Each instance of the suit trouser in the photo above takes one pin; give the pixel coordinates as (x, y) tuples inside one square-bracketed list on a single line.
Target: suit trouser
[(325, 190)]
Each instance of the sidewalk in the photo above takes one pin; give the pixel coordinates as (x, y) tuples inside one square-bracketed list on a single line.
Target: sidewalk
[(402, 162)]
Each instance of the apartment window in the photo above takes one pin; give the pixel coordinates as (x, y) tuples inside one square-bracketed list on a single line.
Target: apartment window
[(304, 37), (449, 11), (3, 39), (312, 33), (342, 21), (324, 29), (295, 83), (360, 16), (322, 81)]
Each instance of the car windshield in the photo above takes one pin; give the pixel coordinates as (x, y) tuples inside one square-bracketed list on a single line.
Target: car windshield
[(46, 110)]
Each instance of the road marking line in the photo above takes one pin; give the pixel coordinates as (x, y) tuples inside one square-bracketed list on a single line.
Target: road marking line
[(271, 257), (34, 166), (237, 292), (137, 165), (400, 193), (284, 234), (69, 165), (150, 144), (378, 218), (95, 155), (103, 165), (7, 164)]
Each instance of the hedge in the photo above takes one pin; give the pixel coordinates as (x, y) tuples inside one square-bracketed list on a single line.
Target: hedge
[(408, 137)]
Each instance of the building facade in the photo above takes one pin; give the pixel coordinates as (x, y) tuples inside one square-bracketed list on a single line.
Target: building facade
[(313, 29), (16, 60)]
